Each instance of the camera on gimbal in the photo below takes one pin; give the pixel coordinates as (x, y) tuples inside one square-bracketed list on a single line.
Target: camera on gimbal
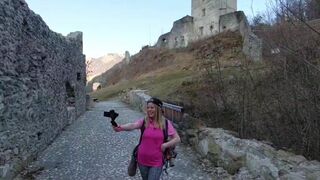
[(113, 115)]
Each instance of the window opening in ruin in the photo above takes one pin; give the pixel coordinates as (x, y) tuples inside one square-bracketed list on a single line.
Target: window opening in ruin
[(70, 99), (78, 76), (223, 6), (175, 42), (164, 40), (39, 135), (203, 12), (201, 30), (182, 41), (211, 28)]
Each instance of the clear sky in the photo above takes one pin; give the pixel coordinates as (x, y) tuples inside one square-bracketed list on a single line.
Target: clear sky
[(114, 26)]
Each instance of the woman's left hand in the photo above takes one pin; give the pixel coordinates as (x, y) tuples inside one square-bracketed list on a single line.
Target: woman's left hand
[(163, 147)]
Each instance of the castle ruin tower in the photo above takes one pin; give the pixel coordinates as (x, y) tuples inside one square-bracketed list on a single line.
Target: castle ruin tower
[(206, 14)]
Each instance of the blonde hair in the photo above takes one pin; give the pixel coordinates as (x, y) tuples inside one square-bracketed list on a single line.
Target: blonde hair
[(158, 118)]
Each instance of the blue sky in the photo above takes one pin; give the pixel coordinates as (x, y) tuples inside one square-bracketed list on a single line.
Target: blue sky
[(114, 26)]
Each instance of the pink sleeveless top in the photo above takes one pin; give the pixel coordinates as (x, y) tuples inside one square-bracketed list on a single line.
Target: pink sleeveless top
[(149, 151)]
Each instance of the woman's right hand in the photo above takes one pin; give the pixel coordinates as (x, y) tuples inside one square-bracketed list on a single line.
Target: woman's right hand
[(117, 129)]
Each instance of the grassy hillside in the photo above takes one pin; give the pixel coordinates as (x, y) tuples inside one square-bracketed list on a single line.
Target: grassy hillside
[(161, 85), (173, 75)]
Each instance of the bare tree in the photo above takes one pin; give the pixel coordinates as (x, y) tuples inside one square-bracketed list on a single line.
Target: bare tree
[(313, 9), (294, 94)]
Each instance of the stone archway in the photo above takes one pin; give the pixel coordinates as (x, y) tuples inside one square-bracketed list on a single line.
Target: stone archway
[(96, 86)]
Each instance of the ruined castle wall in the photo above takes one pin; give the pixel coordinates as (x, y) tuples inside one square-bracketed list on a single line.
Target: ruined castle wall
[(187, 29), (237, 21), (206, 15), (204, 22), (163, 40), (42, 84), (231, 21), (179, 36), (181, 32)]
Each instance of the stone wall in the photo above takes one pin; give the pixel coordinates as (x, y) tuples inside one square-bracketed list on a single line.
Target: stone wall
[(42, 84), (241, 158), (138, 99), (261, 160)]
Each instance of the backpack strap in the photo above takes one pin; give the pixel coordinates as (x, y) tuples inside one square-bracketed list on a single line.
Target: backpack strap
[(165, 139), (165, 131), (135, 150), (142, 128)]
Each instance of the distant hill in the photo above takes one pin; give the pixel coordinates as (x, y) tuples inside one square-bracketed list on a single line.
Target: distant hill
[(97, 66)]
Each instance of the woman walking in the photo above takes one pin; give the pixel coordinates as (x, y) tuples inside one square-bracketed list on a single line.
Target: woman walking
[(152, 146)]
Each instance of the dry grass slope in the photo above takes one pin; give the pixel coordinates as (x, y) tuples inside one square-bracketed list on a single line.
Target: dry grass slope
[(172, 75)]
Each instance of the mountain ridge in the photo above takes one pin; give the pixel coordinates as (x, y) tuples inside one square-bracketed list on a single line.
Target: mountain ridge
[(97, 66)]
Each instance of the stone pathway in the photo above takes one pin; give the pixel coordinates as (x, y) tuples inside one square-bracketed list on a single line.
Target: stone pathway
[(90, 149)]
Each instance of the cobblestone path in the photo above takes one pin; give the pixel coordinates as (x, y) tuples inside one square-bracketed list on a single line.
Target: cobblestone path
[(90, 149)]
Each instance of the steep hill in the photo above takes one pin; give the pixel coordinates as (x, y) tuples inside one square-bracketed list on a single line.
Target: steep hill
[(165, 72)]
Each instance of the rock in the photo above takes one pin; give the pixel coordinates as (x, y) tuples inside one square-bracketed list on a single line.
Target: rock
[(193, 141), (243, 174), (293, 176), (314, 176), (214, 153), (235, 162), (191, 133), (203, 147), (297, 159), (7, 154), (4, 170), (190, 122), (16, 151)]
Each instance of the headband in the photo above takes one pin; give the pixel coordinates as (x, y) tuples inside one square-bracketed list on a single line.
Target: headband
[(155, 101)]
